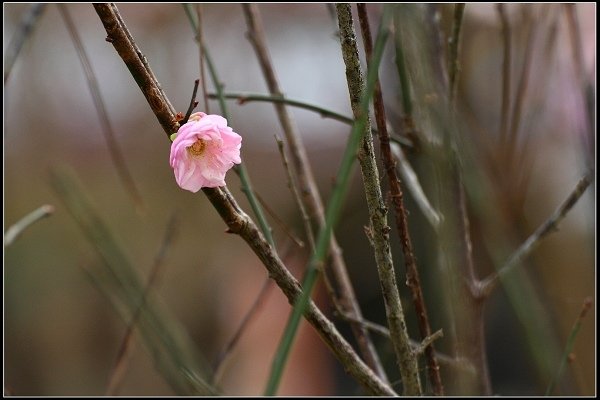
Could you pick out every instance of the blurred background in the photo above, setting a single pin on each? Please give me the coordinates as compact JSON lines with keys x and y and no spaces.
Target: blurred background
{"x":61,"y":335}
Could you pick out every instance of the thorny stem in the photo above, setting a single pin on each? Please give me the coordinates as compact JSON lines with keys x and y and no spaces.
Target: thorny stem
{"x":406,"y":358}
{"x":308,"y":188}
{"x":412,"y":273}
{"x":550,"y":225}
{"x":237,"y":221}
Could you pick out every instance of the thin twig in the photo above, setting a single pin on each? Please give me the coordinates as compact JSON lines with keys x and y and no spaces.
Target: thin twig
{"x":306,"y":221}
{"x":238,"y":222}
{"x":308,"y":231}
{"x":585,"y":83}
{"x":308,"y":187}
{"x":522,"y":86}
{"x":286,"y":229}
{"x":416,"y":346}
{"x":126,"y":347}
{"x":550,"y":225}
{"x":193,"y":103}
{"x":506,"y":73}
{"x":407,"y":172}
{"x":406,"y":359}
{"x":244,"y":98}
{"x":239,"y":169}
{"x":412,"y":273}
{"x":587,"y":304}
{"x":113,"y":145}
{"x":18,"y":227}
{"x":411,"y":180}
{"x":119,"y":37}
{"x":24,"y":30}
{"x":459,"y":10}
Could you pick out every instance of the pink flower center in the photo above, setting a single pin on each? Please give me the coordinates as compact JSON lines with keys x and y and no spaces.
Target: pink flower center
{"x":197,"y":148}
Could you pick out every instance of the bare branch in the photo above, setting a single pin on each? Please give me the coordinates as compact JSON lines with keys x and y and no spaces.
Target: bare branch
{"x":407,"y":360}
{"x":308,"y":186}
{"x":412,"y":273}
{"x":238,"y":221}
{"x":550,"y":225}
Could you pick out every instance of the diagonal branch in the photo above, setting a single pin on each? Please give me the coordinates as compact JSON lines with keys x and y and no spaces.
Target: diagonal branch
{"x":308,"y":188}
{"x":237,"y":221}
{"x":412,"y":273}
{"x":406,"y":358}
{"x":550,"y":225}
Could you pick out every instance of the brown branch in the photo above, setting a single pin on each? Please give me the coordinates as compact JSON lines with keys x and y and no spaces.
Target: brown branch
{"x":412,"y":273}
{"x":238,"y":221}
{"x":119,"y":37}
{"x":308,"y":187}
{"x":407,"y":360}
{"x":308,"y":231}
{"x":550,"y":225}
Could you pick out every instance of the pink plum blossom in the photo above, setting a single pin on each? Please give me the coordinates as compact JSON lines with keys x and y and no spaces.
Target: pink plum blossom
{"x":204,"y":149}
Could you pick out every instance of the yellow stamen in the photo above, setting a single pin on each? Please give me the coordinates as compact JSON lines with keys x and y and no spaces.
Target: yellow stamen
{"x":197,"y":148}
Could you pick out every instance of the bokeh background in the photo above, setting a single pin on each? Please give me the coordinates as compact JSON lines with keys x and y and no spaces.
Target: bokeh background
{"x":61,"y":335}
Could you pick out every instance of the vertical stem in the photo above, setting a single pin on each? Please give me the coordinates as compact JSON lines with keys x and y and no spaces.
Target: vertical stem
{"x":459,"y":10}
{"x":522,"y":86}
{"x":239,"y":169}
{"x":412,"y":273}
{"x":506,"y":73}
{"x":407,"y":360}
{"x":237,"y":221}
{"x":309,"y":190}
